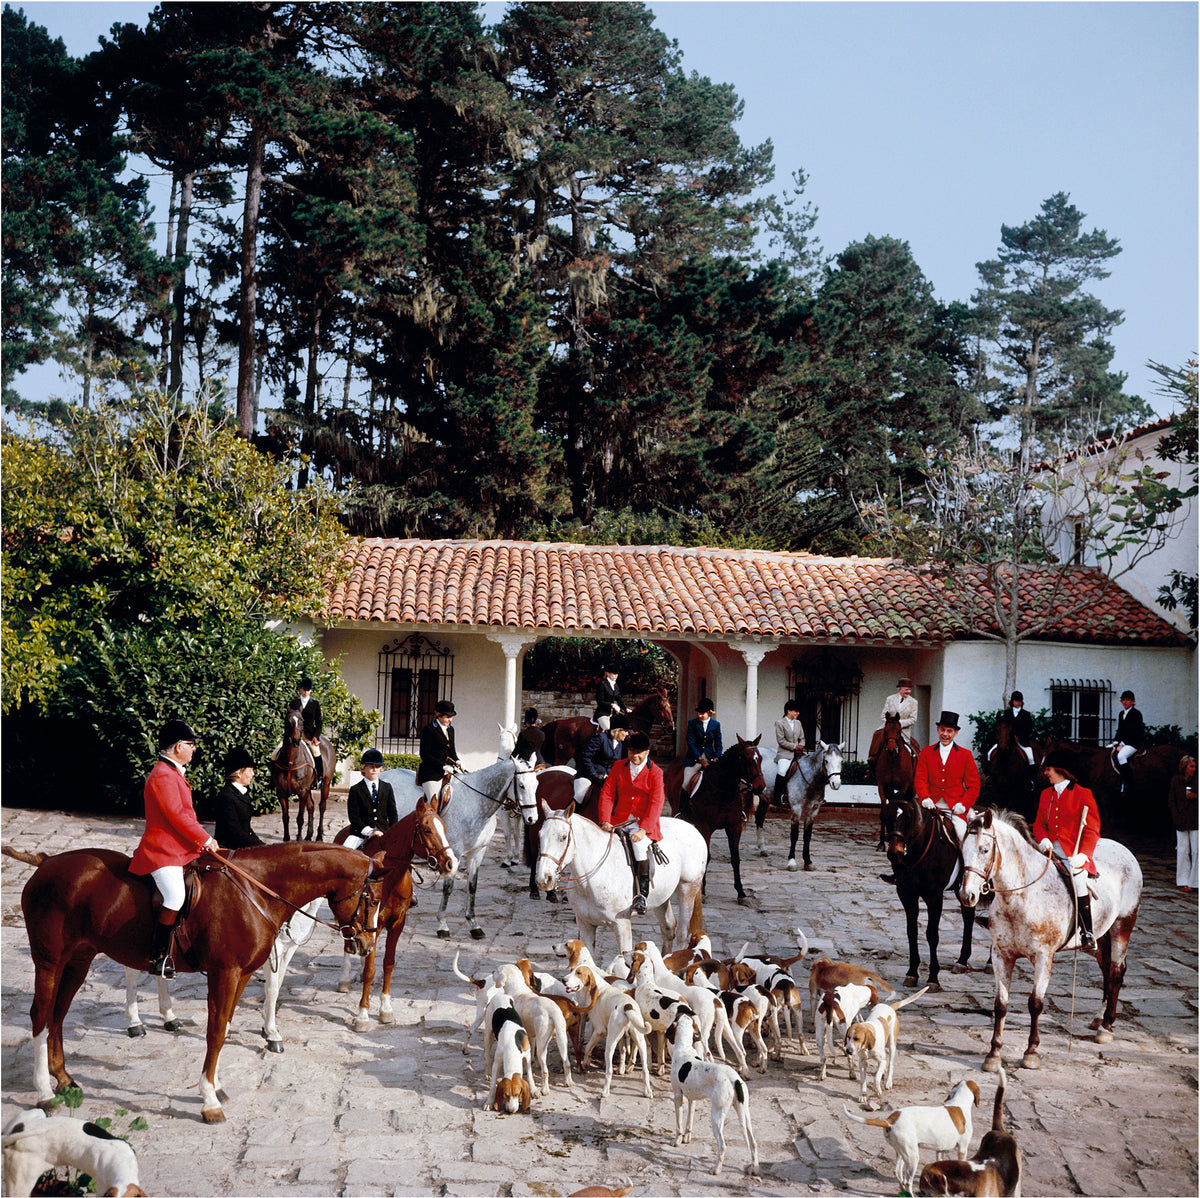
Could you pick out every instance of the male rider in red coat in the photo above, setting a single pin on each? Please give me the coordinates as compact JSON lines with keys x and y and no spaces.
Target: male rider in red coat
{"x":634,"y":790}
{"x":946,"y":776}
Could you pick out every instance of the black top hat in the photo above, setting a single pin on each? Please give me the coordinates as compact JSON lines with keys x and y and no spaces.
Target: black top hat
{"x":948,"y":719}
{"x":173,"y":731}
{"x":637,"y":742}
{"x":237,"y":759}
{"x":371,"y":757}
{"x":444,"y":707}
{"x":705,"y":705}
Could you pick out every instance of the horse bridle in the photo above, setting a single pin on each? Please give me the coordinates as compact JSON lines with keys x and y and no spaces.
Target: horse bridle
{"x":509,"y":802}
{"x":993,"y":863}
{"x":561,"y":858}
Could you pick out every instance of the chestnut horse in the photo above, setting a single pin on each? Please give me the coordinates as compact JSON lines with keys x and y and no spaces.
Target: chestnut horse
{"x":1008,"y":776}
{"x":895,"y":768}
{"x":419,"y":834}
{"x":728,"y":792}
{"x":566,"y":738}
{"x":1033,"y":916}
{"x":85,"y":902}
{"x":293,"y":773}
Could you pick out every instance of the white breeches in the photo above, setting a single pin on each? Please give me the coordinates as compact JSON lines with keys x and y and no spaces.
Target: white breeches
{"x":641,"y":846}
{"x":353,"y":842}
{"x":1186,"y":844}
{"x":1078,"y":876}
{"x":169,"y":880}
{"x":1124,"y":753}
{"x":1024,"y":749}
{"x":431,"y":789}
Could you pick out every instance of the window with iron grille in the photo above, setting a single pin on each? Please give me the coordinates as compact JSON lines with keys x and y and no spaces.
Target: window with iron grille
{"x":1083,"y":707}
{"x":826,"y":687}
{"x":414,"y":673}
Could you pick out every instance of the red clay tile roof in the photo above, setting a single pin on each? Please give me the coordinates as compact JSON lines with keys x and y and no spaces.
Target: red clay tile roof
{"x":666,"y":591}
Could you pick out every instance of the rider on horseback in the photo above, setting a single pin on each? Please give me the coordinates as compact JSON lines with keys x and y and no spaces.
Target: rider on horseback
{"x":370,"y":805}
{"x":1062,"y":830}
{"x":789,"y":736}
{"x":1129,"y":737}
{"x":633,"y":791}
{"x":439,"y":757}
{"x":1022,"y":723}
{"x":608,"y":694}
{"x":703,"y":741}
{"x":603,"y":750}
{"x":173,"y":836}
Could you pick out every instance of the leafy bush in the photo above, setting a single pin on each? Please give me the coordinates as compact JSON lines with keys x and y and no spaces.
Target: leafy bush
{"x":231,"y":682}
{"x":401,"y":761}
{"x":1171,"y":734}
{"x":983,"y":724}
{"x":575,"y":663}
{"x":856,"y":773}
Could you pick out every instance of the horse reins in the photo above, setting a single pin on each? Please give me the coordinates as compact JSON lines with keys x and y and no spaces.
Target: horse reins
{"x":508,"y":803}
{"x":227,"y":864}
{"x":558,"y":861}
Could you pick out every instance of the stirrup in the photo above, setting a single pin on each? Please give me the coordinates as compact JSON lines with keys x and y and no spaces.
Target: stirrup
{"x":162,"y":967}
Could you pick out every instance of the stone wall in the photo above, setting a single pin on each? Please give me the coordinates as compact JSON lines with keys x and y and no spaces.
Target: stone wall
{"x":562,"y":705}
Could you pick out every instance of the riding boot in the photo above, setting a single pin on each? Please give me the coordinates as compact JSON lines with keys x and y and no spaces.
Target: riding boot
{"x":779,"y":795}
{"x":161,"y":964}
{"x":1086,"y":937}
{"x":641,"y":885}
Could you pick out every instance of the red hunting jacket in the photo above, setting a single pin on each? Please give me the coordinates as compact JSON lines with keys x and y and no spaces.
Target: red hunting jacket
{"x":623,"y":797}
{"x":173,"y":835}
{"x":956,"y":782}
{"x":1058,"y":819}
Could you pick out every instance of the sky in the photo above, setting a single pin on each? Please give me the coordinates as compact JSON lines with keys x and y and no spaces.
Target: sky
{"x":937,"y":123}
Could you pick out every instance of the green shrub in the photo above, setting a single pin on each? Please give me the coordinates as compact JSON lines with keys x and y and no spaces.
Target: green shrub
{"x":401,"y":761}
{"x":1045,"y":724}
{"x":1171,"y":734}
{"x":574,"y":663}
{"x":855,"y":773}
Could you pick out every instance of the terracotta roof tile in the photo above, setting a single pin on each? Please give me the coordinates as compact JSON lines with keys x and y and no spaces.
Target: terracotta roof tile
{"x":716,"y":592}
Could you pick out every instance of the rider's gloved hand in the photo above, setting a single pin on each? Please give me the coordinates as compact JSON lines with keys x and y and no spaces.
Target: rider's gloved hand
{"x":1079,"y":861}
{"x":367,"y":833}
{"x":1044,"y":844}
{"x":959,"y":809}
{"x":927,"y":804}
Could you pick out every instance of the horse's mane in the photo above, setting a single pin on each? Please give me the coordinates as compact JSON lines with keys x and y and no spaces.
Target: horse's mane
{"x":1016,"y":821}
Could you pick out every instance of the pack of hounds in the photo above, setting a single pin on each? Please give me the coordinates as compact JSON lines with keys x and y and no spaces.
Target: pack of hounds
{"x":719,"y":1020}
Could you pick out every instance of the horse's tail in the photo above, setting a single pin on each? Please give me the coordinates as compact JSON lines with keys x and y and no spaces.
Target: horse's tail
{"x":696,"y":923}
{"x":20,"y":855}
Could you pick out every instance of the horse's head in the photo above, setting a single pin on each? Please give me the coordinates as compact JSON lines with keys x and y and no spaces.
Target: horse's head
{"x":293,"y":725}
{"x":665,"y":715}
{"x":904,"y":822}
{"x":525,"y":784}
{"x":554,"y":845}
{"x":749,"y":761}
{"x":831,"y":761}
{"x":980,"y":854}
{"x":429,"y":837}
{"x":1005,"y":737}
{"x":892,"y":740}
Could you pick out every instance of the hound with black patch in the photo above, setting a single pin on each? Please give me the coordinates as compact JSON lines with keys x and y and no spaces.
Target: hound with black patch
{"x":512,"y":1061}
{"x":694,"y":1078}
{"x":943,"y":1128}
{"x":34,"y":1143}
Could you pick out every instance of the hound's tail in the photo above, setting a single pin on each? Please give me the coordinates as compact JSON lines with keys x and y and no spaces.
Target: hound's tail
{"x":911,"y":998}
{"x":998,"y":1108}
{"x":20,"y":855}
{"x":872,"y":1122}
{"x":478,"y":983}
{"x":696,"y":923}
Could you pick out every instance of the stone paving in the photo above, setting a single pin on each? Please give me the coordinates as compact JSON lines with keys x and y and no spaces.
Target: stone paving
{"x":397,"y":1110}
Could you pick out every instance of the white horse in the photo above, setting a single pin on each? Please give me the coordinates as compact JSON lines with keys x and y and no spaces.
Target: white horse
{"x":600,"y":889}
{"x":806,"y":792}
{"x":293,"y":934}
{"x":471,"y":818}
{"x":1033,"y":916}
{"x":511,"y":823}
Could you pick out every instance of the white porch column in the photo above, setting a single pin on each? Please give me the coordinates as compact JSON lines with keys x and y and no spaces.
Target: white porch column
{"x":752,"y":655}
{"x":512,"y":643}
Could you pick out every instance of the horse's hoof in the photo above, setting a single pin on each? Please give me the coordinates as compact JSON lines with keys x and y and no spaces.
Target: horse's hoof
{"x":960,"y":967}
{"x":743,"y":900}
{"x":991,"y":1063}
{"x":387,"y":1017}
{"x":138,"y":1029}
{"x":1104,"y":1036}
{"x":910,"y":979}
{"x":216,"y":1115}
{"x":476,"y":933}
{"x":413,"y":903}
{"x":362,"y":1025}
{"x":343,"y":987}
{"x":274,"y":1046}
{"x":1031,"y":1060}
{"x":443,"y":933}
{"x":934,"y":987}
{"x":320,"y":838}
{"x":881,"y":846}
{"x":808,"y":867}
{"x":535,"y":894}
{"x":762,"y":852}
{"x":173,"y":1025}
{"x":792,"y":863}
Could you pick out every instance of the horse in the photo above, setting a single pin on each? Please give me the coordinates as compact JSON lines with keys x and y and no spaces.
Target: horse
{"x":556,"y":788}
{"x":419,"y":834}
{"x":1033,"y":916}
{"x":1007,"y":772}
{"x":806,"y":792}
{"x":471,"y":819}
{"x":728,"y":787}
{"x":566,"y":738}
{"x":925,"y":858}
{"x":601,"y":885}
{"x":85,"y":902}
{"x":292,"y":771}
{"x":895,"y":768}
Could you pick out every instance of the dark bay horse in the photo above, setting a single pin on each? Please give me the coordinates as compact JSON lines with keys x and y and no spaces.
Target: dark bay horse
{"x":925,"y":858}
{"x":418,"y":836}
{"x":727,"y":793}
{"x":895,"y":768}
{"x":1008,"y":777}
{"x":292,"y":773}
{"x":806,"y":793}
{"x":555,"y":792}
{"x":85,"y":902}
{"x":567,"y":737}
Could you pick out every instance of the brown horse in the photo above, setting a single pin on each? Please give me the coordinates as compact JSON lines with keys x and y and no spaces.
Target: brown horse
{"x":85,"y":902}
{"x":895,"y":768}
{"x":566,"y":738}
{"x":420,"y":834}
{"x":556,"y":790}
{"x":293,"y":773}
{"x":1008,"y":776}
{"x":728,"y":792}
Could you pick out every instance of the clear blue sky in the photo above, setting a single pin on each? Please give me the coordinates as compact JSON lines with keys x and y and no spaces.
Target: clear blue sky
{"x":938,"y":122}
